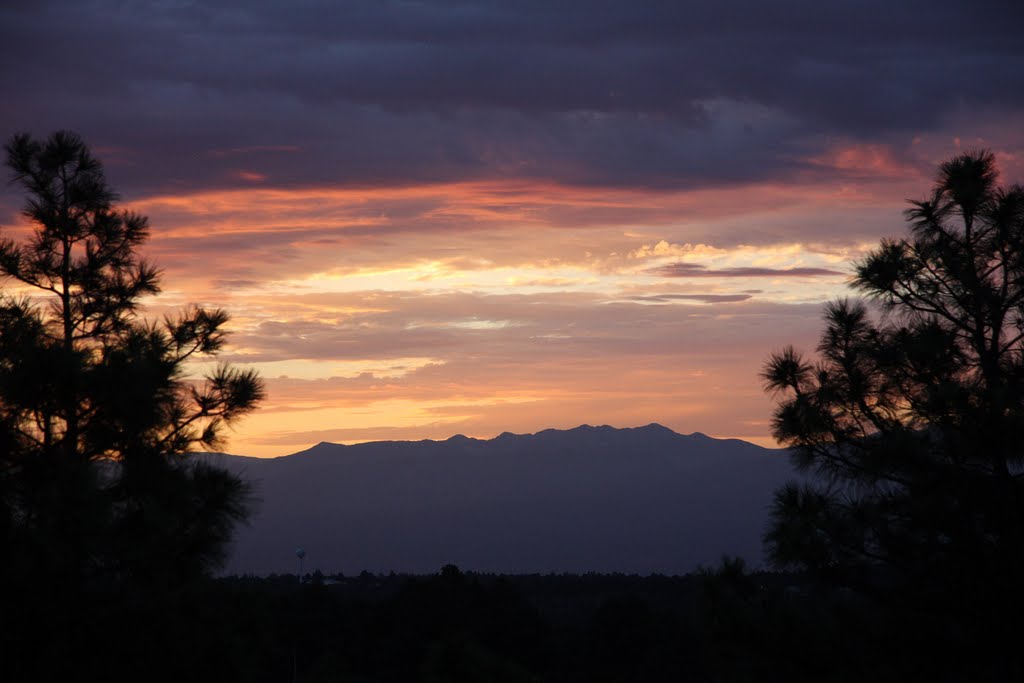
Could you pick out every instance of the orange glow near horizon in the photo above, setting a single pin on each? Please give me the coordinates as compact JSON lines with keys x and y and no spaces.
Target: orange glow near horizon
{"x":478,"y":308}
{"x":619,"y":230}
{"x":422,"y":311}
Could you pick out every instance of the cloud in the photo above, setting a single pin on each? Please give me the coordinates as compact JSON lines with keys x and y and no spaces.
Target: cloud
{"x":432,"y":215}
{"x":702,"y":298}
{"x":653,"y":95}
{"x":512,"y":330}
{"x":613,"y":363}
{"x":688,"y":270}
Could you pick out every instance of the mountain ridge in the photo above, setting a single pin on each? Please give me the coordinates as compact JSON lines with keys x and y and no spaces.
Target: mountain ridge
{"x":651,"y":428}
{"x":592,"y":498}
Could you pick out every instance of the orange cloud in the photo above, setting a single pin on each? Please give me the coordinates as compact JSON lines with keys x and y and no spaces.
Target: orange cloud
{"x":872,"y":161}
{"x":252,"y":176}
{"x":482,"y":307}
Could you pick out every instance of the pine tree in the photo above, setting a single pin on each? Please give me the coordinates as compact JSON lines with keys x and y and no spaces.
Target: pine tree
{"x":911,"y":421}
{"x":97,"y":417}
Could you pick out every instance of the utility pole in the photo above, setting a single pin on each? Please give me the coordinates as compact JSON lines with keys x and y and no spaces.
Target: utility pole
{"x":300,"y":553}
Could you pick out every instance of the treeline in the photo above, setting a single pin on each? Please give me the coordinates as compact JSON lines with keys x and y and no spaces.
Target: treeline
{"x":720,"y":625}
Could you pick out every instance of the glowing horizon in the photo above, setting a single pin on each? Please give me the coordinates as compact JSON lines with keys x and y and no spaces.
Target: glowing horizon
{"x":426,"y":221}
{"x":401,"y":332}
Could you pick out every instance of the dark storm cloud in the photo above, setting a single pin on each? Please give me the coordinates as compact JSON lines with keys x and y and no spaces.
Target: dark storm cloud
{"x":618,"y":93}
{"x":684,"y":269}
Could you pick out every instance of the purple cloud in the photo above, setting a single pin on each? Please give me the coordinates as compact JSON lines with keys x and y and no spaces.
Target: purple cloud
{"x":657,"y":94}
{"x":702,"y":298}
{"x":684,"y":269}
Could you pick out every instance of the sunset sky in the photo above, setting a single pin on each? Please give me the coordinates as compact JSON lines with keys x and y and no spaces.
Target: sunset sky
{"x":440,"y":217}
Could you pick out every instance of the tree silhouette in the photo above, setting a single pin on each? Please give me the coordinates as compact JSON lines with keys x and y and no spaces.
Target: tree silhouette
{"x":911,"y":421}
{"x":96,"y":414}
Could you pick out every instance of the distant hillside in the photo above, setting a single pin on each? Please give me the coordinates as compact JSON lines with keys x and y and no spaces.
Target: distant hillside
{"x":585,"y":499}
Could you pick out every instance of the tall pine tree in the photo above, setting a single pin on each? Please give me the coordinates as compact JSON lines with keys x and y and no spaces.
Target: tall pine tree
{"x":97,"y":418}
{"x":912,"y":421}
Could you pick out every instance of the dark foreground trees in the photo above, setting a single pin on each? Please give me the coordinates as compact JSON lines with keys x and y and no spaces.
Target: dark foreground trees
{"x":96,"y":416}
{"x":912,"y":420}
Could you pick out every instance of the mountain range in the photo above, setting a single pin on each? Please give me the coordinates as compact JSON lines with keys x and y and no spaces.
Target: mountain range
{"x":601,"y":499}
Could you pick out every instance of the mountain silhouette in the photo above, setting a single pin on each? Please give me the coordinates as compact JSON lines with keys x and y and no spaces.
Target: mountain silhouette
{"x":598,"y":499}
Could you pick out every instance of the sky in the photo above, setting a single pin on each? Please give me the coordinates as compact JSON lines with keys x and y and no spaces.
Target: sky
{"x":440,"y":216}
